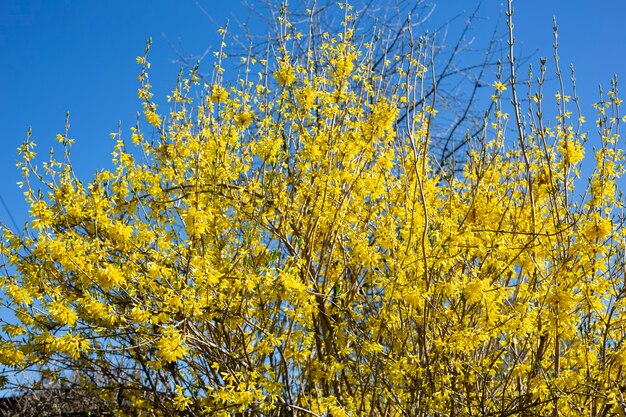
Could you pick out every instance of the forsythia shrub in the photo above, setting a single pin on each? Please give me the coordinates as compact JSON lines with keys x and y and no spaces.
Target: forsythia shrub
{"x":289,"y":246}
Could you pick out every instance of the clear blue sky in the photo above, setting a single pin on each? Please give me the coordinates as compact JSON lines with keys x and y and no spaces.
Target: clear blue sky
{"x":79,"y":56}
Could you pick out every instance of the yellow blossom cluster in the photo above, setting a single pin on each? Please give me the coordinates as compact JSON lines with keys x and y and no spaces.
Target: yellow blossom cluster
{"x":290,"y":246}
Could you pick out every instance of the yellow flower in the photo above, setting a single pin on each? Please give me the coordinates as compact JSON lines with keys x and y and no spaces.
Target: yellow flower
{"x":499,"y":86}
{"x":70,"y":344}
{"x":181,"y":401}
{"x":62,"y":314}
{"x":110,"y":277}
{"x":218,"y":94}
{"x":573,"y":152}
{"x":598,"y":228}
{"x":171,"y":345}
{"x":243,"y":119}
{"x":153,"y":118}
{"x":285,"y":75}
{"x":474,"y":291}
{"x":10,"y":355}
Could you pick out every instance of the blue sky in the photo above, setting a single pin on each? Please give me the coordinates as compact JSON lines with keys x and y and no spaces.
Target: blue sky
{"x":79,"y":56}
